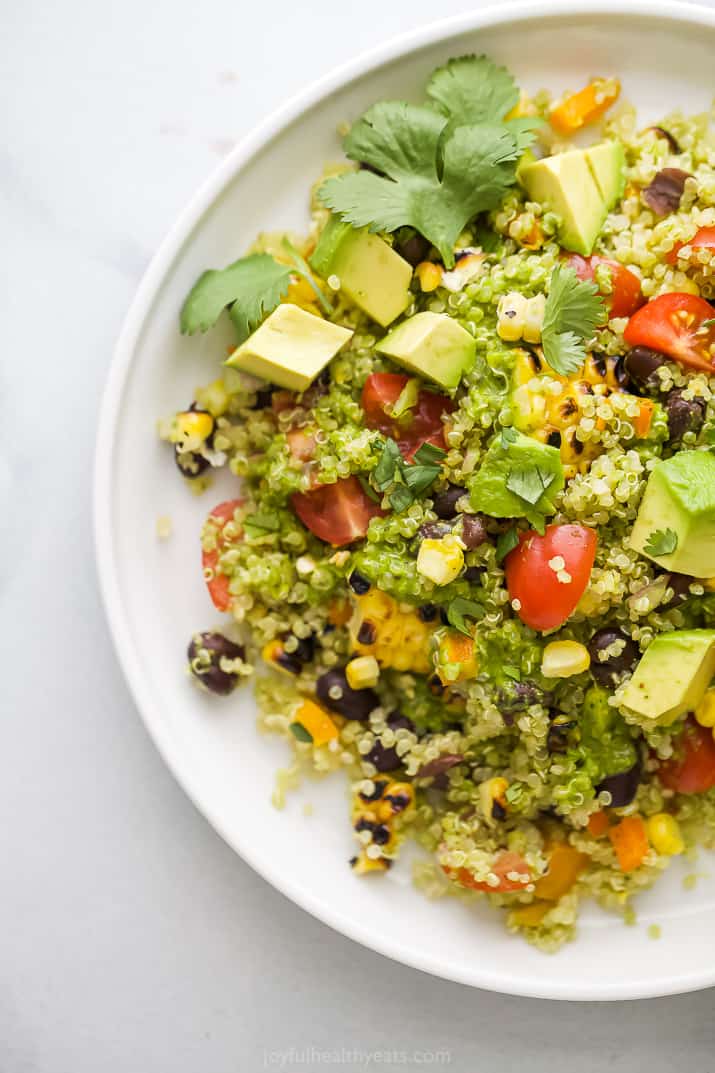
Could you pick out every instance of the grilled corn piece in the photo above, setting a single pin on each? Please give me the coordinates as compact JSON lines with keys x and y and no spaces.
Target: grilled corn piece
{"x":519,"y":317}
{"x":397,"y":638}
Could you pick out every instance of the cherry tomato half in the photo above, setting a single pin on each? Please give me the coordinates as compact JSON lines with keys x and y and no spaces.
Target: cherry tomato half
{"x":626,"y":295}
{"x":420,"y":424}
{"x":674,"y":325}
{"x":218,"y":583}
{"x":336,"y":513}
{"x":692,"y":769}
{"x":704,"y":239}
{"x":544,"y":601}
{"x":504,"y":863}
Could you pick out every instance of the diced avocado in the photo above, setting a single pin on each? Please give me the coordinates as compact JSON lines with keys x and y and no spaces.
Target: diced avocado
{"x":518,"y":478}
{"x":432,"y":345}
{"x":672,"y":676}
{"x":680,"y":497}
{"x":290,"y":347}
{"x":607,"y":162}
{"x":371,"y":274}
{"x":565,"y":184}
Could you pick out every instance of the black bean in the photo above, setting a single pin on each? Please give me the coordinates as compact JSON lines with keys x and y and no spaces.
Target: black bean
{"x":289,"y":661}
{"x":622,"y":787}
{"x":443,"y":616}
{"x":607,"y":671}
{"x":680,"y":584}
{"x":474,"y":531}
{"x":684,"y":415}
{"x":444,"y":503}
{"x":306,"y":648}
{"x":440,"y":765}
{"x":473,"y":573}
{"x":263,"y":399}
{"x":358,"y":583}
{"x":664,"y":193}
{"x":663,"y":133}
{"x":498,"y":811}
{"x":641,"y":364}
{"x":558,"y":737}
{"x":205,"y":652}
{"x":434,"y":530}
{"x":620,"y":373}
{"x":427,"y":613}
{"x":384,"y":757}
{"x":518,"y":696}
{"x":398,"y":721}
{"x":414,"y":248}
{"x":352,"y":703}
{"x":190,"y":464}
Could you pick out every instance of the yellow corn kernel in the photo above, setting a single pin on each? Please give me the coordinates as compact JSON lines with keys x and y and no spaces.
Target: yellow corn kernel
{"x":664,"y":834}
{"x":316,"y":722}
{"x":440,"y":560}
{"x":491,"y":794}
{"x":364,"y":865}
{"x":397,"y":798}
{"x":429,"y":276}
{"x":705,"y":711}
{"x":534,"y":319}
{"x":362,"y":672}
{"x":562,"y":659}
{"x":190,"y":429}
{"x":300,"y":292}
{"x":511,"y":313}
{"x":395,"y":637}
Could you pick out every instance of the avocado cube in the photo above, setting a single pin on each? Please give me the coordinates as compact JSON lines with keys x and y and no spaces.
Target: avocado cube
{"x":672,"y":676}
{"x":566,"y":185}
{"x":680,"y":496}
{"x":519,"y":465}
{"x":371,"y":274}
{"x":290,"y":347}
{"x":432,"y":345}
{"x":607,"y":162}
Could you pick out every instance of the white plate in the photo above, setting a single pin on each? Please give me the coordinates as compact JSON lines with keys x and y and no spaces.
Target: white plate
{"x":154,"y":594}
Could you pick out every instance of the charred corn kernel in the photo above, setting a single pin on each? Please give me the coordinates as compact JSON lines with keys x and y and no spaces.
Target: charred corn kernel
{"x":396,"y":638}
{"x":519,"y":317}
{"x":562,"y":659}
{"x":397,"y":798}
{"x":429,"y":276}
{"x":316,"y":721}
{"x":664,"y":834}
{"x":275,"y":654}
{"x":363,"y":865}
{"x":529,"y":916}
{"x":440,"y":560}
{"x":362,"y":672}
{"x":190,"y":429}
{"x":492,"y":799}
{"x":705,"y":711}
{"x":455,"y":657}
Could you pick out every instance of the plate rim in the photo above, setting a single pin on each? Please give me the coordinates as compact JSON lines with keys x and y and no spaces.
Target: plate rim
{"x":546,"y":985}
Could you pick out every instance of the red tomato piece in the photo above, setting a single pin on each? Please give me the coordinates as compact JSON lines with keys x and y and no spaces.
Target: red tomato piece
{"x":300,"y":444}
{"x":704,"y":239}
{"x":545,"y":602}
{"x":674,"y":324}
{"x":692,"y":769}
{"x":336,"y":513}
{"x":504,"y":863}
{"x":218,"y":583}
{"x":420,"y":424}
{"x":626,"y":296}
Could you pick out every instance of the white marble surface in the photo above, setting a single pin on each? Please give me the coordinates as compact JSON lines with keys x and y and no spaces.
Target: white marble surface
{"x":133,"y":940}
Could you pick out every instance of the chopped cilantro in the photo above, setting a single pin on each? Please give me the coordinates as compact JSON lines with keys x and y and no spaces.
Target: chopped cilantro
{"x":574,"y":309}
{"x":529,"y":482}
{"x":429,"y":454}
{"x":511,"y":671}
{"x":262,"y":522}
{"x":459,"y":609}
{"x":388,"y":465}
{"x":661,"y":542}
{"x":506,"y":542}
{"x":508,"y":437}
{"x":410,"y":480}
{"x":298,"y":731}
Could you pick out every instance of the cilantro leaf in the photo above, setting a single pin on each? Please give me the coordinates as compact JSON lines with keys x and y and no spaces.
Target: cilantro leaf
{"x":411,"y":480}
{"x":573,"y":310}
{"x":388,"y":466}
{"x":506,"y":542}
{"x":368,"y":489}
{"x":252,"y":287}
{"x":419,"y":478}
{"x":511,"y":671}
{"x":661,"y":542}
{"x":459,"y":608}
{"x":262,"y":522}
{"x":435,"y":188}
{"x":529,"y":482}
{"x":508,"y":437}
{"x":473,"y":89}
{"x":401,"y":498}
{"x":428,"y":454}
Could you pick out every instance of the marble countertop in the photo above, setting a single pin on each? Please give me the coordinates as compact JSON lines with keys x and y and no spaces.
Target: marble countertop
{"x":133,"y":939}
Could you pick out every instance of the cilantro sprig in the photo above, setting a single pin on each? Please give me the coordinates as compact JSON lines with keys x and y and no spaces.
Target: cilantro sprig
{"x":574,"y":309}
{"x":406,"y":481}
{"x":661,"y":542}
{"x":434,"y":167}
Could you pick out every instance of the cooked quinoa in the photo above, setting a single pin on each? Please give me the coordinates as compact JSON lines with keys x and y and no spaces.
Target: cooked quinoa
{"x":478,"y":700}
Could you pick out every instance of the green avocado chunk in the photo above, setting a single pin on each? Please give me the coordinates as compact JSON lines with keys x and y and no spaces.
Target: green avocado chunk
{"x":432,"y":345}
{"x":672,"y":676}
{"x":580,"y":186}
{"x":371,"y":274}
{"x":518,"y":478}
{"x":680,"y":498}
{"x":290,"y":347}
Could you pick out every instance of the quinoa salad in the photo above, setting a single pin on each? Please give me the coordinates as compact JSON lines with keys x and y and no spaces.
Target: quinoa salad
{"x":470,"y":557}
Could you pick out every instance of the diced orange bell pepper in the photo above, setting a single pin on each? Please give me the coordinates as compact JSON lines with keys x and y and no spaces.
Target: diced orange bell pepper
{"x":586,"y":106}
{"x":630,"y":841}
{"x":530,"y":916}
{"x":317,"y":722}
{"x":598,"y":824}
{"x":645,"y":416}
{"x":565,"y":866}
